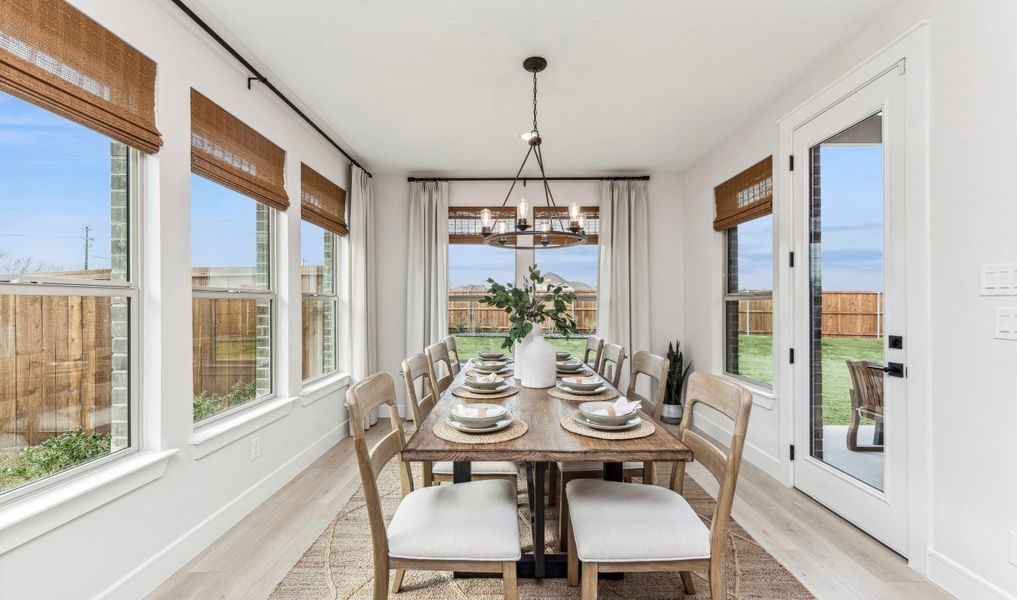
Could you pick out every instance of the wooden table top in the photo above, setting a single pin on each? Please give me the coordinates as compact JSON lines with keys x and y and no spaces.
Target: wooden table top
{"x":545,"y":440}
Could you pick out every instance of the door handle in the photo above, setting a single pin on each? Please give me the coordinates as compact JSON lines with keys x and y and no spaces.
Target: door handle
{"x":894,"y":369}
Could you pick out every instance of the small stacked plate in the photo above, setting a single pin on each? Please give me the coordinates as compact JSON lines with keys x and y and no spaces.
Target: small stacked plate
{"x":600,"y":415}
{"x":481,"y":385}
{"x":571,"y":366}
{"x":479,"y":418}
{"x":492,"y":366}
{"x":583,"y":386}
{"x":562,"y":355}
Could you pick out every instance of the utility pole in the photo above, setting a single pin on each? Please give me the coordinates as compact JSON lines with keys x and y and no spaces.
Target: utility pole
{"x":88,"y":242}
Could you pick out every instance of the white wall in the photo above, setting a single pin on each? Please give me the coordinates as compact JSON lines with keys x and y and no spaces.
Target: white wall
{"x":134,"y":542}
{"x":973,"y":492}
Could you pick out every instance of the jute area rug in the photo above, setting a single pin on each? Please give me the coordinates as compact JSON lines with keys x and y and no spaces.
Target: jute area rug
{"x":337,"y":566}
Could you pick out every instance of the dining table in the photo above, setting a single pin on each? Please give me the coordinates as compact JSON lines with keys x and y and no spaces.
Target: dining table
{"x":544,"y":441}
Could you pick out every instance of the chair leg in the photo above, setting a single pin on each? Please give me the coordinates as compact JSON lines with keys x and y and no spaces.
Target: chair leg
{"x":573,"y":561}
{"x":690,"y":588}
{"x":397,"y":581}
{"x":510,"y":589}
{"x":563,"y":515}
{"x":552,"y":484}
{"x":427,"y":476}
{"x":380,"y":578}
{"x":718,"y":585}
{"x":589,"y":590}
{"x":852,"y":432}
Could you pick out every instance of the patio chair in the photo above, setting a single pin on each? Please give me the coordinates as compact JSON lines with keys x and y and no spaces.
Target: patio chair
{"x":866,"y":401}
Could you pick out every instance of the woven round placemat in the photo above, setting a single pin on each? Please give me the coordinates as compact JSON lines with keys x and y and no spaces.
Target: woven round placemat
{"x":445,"y":431}
{"x":609,"y":394}
{"x":645,"y":428}
{"x":475,"y":373}
{"x":465,"y":393}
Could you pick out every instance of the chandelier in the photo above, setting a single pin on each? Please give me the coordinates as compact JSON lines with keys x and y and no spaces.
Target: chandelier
{"x":554,"y":231}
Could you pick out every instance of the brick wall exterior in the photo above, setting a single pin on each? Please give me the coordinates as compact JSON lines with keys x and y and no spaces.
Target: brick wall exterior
{"x":816,"y":303}
{"x":263,"y":329}
{"x":119,"y":309}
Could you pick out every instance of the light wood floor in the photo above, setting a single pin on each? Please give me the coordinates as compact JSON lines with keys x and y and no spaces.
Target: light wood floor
{"x":832,"y":558}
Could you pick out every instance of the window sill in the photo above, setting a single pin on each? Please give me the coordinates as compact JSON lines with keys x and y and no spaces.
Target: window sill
{"x":37,"y":514}
{"x":762,"y":397}
{"x":320,"y":388}
{"x":222,"y":433}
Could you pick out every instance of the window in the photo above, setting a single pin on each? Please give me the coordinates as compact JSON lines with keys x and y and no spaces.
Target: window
{"x":477,"y":327}
{"x":744,"y":215}
{"x":231,"y":248}
{"x":68,"y":297}
{"x":318,"y":283}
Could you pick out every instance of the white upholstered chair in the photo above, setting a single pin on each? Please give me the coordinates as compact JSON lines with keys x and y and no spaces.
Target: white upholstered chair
{"x":661,"y":531}
{"x":468,"y":527}
{"x":416,"y":375}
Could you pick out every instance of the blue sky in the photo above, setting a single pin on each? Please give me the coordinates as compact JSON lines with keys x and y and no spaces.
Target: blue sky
{"x":54,"y":181}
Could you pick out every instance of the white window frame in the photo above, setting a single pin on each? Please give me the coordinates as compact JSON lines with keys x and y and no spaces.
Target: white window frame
{"x":220,"y":293}
{"x":318,"y":296}
{"x":29,"y":285}
{"x":726,"y":297}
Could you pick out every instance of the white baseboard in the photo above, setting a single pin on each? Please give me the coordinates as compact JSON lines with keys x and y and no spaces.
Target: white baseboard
{"x":149,"y":574}
{"x":961,"y":582}
{"x":769,"y":463}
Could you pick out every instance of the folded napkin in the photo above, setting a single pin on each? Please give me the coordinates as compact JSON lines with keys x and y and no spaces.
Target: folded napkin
{"x":620,"y":407}
{"x":490,"y":378}
{"x":479,"y":410}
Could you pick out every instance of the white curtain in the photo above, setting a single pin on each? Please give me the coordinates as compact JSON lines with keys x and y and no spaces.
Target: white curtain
{"x":623,"y":280}
{"x":362,"y":306}
{"x":427,"y":266}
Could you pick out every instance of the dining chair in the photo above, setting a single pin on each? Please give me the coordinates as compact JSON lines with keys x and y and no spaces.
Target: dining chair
{"x":661,"y":531}
{"x":612,"y":359}
{"x":453,"y":353}
{"x":437,"y":358}
{"x":416,"y":375}
{"x":866,"y":401}
{"x":594,"y":347}
{"x":644,"y":365}
{"x":468,"y":527}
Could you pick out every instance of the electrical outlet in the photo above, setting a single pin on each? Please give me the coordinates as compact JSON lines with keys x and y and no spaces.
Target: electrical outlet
{"x":255,"y":448}
{"x":1013,"y":548}
{"x":1005,"y":324}
{"x":999,"y":280}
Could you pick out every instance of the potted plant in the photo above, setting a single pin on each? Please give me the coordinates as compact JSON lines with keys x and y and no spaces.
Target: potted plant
{"x":527,"y":309}
{"x":677,"y":378}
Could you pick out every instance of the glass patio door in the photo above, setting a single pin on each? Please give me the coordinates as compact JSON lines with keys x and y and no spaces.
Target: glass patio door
{"x":849,"y":411}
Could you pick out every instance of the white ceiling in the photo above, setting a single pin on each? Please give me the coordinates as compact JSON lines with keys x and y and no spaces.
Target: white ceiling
{"x":437,"y":86}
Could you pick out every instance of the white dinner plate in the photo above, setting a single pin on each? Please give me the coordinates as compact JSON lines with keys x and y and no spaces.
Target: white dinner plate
{"x":630,"y":424}
{"x":500,"y":388}
{"x":496,"y":427}
{"x":565,"y":388}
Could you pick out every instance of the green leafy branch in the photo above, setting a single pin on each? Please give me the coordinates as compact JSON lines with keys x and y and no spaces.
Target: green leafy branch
{"x":526,"y":306}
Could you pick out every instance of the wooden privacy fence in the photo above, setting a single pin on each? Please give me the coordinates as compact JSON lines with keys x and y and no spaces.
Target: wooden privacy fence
{"x":467,"y":315}
{"x":845,"y":314}
{"x":55,"y":367}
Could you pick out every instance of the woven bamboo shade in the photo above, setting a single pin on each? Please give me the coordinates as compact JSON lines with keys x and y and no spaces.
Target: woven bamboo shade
{"x":322,"y":202}
{"x":464,"y":222}
{"x":559,"y":216}
{"x":229,"y":152}
{"x":746,"y":196}
{"x":55,"y":57}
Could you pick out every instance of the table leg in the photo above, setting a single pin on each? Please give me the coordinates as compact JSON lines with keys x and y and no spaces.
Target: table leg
{"x":461,"y":472}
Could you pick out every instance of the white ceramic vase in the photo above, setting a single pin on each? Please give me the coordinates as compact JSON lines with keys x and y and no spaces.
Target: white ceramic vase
{"x":534,"y":360}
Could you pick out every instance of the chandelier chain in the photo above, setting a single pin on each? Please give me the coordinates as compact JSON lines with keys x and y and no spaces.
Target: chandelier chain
{"x":534,"y":101}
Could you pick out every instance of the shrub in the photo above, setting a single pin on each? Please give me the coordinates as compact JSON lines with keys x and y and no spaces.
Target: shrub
{"x":56,"y":454}
{"x":205,"y":404}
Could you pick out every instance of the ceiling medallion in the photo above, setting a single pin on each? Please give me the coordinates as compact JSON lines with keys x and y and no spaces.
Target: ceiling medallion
{"x":555,"y":230}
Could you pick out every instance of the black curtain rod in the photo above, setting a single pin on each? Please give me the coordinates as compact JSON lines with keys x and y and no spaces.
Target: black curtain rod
{"x":264,"y":81}
{"x":604,"y":178}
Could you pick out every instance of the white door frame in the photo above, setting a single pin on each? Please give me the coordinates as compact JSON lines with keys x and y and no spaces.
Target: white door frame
{"x":912,"y":48}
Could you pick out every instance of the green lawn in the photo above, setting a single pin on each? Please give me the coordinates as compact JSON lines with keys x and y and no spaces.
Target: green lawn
{"x":470,"y":345}
{"x":756,"y":356}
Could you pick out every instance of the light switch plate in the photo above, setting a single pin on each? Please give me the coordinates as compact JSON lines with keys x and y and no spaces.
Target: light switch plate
{"x":999,"y":280}
{"x":1005,"y":324}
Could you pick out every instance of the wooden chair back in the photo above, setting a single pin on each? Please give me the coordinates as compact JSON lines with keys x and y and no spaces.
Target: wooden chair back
{"x":594,"y":349}
{"x":867,"y":384}
{"x":416,"y":375}
{"x":453,"y":354}
{"x":611,"y":361}
{"x":362,"y":398}
{"x":735,"y":402}
{"x":655,"y":368}
{"x":437,"y":358}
